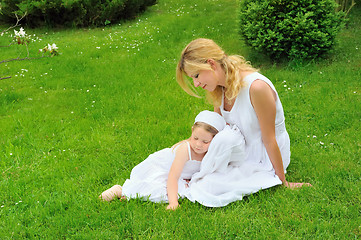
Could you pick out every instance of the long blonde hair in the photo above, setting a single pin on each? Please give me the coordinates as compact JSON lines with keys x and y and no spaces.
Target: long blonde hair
{"x":194,"y":58}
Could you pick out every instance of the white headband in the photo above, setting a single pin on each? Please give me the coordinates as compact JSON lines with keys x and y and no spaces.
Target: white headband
{"x":211,"y":118}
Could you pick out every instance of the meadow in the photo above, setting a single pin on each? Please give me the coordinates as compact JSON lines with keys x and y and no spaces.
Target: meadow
{"x":75,"y":124}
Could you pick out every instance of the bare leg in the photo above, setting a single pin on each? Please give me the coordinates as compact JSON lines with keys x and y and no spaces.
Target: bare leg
{"x":111,"y":193}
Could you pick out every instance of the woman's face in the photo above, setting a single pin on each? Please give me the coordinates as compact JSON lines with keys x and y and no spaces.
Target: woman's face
{"x":205,"y":79}
{"x":200,"y":140}
{"x":208,"y":79}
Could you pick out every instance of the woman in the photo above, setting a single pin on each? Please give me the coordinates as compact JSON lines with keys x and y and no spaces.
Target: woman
{"x":244,"y":98}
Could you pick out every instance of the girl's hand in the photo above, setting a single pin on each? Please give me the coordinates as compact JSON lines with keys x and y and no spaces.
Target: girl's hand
{"x":172,"y":206}
{"x":293,"y":185}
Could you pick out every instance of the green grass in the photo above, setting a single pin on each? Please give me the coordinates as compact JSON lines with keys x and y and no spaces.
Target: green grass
{"x":75,"y":124}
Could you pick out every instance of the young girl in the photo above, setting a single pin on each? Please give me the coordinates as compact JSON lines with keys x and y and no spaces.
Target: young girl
{"x":246,"y":99}
{"x":164,"y":175}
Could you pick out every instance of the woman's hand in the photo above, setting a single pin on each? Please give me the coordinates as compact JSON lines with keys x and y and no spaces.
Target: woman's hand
{"x":173,"y":206}
{"x":293,"y":185}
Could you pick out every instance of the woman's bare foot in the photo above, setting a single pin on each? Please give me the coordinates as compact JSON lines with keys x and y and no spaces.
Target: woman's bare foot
{"x":111,"y":193}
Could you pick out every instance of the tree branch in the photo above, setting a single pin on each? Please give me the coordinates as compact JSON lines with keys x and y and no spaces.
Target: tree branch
{"x":16,"y":24}
{"x":21,"y":59}
{"x":8,"y":45}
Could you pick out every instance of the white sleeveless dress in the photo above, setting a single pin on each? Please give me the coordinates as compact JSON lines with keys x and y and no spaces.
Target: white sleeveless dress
{"x":249,"y":168}
{"x":244,"y":117}
{"x":148,"y":180}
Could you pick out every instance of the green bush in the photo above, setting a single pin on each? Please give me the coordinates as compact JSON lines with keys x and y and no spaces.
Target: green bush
{"x":292,"y":29}
{"x":78,"y":13}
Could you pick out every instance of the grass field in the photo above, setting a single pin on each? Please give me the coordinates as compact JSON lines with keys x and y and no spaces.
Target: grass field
{"x":73,"y":125}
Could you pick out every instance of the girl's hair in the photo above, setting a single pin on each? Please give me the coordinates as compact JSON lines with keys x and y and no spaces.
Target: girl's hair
{"x":194,"y":58}
{"x":206,"y":127}
{"x":203,"y":125}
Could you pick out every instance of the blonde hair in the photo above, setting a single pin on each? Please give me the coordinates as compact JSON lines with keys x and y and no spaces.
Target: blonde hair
{"x":194,"y":58}
{"x":212,"y":130}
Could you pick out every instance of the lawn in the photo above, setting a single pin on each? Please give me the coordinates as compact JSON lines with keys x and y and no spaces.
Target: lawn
{"x":73,"y":125}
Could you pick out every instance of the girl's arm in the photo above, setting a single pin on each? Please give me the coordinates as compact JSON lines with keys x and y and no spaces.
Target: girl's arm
{"x":263,"y":99}
{"x":181,"y":157}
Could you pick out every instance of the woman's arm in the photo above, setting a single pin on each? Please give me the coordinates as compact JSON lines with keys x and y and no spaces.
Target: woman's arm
{"x":217,"y":110}
{"x":181,"y":157}
{"x":263,"y":99}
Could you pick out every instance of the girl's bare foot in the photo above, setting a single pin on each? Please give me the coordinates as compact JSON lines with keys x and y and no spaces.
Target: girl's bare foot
{"x":111,"y":193}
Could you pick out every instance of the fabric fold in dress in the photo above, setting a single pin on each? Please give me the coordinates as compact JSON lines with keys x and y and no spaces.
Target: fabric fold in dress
{"x":225,"y":176}
{"x":233,"y":169}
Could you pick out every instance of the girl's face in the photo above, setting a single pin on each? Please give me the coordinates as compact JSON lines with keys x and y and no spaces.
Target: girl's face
{"x":200,"y":140}
{"x":208,"y":79}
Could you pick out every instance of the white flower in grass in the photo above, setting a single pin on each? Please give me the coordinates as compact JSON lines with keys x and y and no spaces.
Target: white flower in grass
{"x":21,"y":37}
{"x":54,"y":47}
{"x":17,"y":33}
{"x":21,"y":32}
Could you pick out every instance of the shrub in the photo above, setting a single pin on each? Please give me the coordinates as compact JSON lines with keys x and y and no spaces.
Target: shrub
{"x":292,"y":29}
{"x":345,"y":5}
{"x":78,"y":13}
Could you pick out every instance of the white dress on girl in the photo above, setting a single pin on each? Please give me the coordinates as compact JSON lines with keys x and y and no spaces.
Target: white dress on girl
{"x":234,"y":168}
{"x":148,"y":180}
